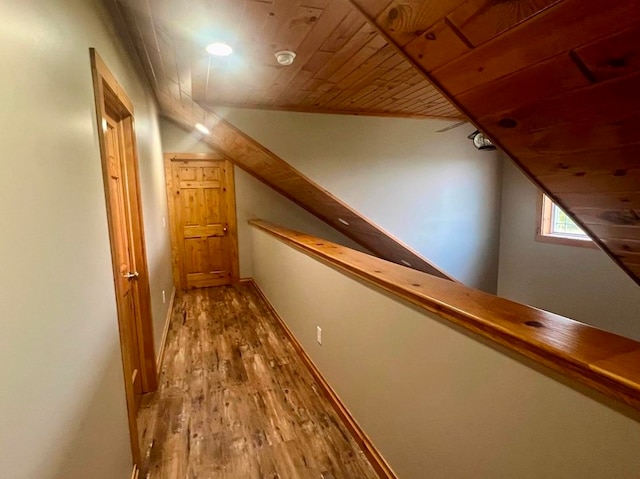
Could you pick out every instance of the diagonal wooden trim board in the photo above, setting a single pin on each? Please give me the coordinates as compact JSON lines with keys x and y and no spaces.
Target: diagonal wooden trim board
{"x":258,"y":161}
{"x":382,"y":468}
{"x":275,"y":172}
{"x":165,"y":333}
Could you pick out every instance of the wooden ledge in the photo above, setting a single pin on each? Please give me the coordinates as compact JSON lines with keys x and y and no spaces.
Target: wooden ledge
{"x":604,"y":361}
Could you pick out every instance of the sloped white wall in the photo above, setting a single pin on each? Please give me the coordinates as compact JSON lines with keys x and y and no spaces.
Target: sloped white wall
{"x":62,"y":400}
{"x":434,"y":191}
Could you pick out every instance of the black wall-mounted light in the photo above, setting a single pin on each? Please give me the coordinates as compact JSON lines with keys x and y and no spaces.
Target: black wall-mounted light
{"x":480,"y":141}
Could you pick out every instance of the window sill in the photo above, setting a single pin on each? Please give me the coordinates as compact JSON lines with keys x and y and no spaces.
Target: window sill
{"x":563,"y":240}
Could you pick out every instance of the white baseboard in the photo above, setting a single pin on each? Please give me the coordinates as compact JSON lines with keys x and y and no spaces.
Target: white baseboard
{"x":165,"y":332}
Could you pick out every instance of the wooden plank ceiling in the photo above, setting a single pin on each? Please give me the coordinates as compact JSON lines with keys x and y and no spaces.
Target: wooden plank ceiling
{"x":555,"y":83}
{"x":343,"y":64}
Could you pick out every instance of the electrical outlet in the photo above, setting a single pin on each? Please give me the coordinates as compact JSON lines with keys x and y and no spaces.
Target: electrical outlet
{"x":164,"y":297}
{"x":319,"y":334}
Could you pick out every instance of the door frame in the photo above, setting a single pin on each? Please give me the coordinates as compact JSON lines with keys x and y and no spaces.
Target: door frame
{"x":169,"y":158}
{"x":109,"y":94}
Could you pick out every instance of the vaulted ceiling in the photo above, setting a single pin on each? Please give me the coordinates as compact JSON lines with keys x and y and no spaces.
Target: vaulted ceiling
{"x":555,"y":83}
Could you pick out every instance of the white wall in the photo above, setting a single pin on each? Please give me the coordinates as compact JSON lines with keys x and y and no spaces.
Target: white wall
{"x":62,"y":400}
{"x":436,"y":401}
{"x":433,"y":191}
{"x":253,"y":200}
{"x":580,"y":283}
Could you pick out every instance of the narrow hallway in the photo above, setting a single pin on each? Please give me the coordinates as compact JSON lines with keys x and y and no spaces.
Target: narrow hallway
{"x":235,"y":400}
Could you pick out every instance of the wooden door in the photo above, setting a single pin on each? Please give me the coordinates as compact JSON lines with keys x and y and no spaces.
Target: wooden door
{"x":126,"y":276}
{"x":116,"y":135}
{"x":203,"y":220}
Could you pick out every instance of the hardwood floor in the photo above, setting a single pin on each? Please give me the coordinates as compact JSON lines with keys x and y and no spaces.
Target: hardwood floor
{"x":235,"y":401}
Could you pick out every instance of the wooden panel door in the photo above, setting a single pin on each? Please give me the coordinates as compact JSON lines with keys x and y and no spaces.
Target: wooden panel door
{"x":127,"y":275}
{"x":203,"y":220}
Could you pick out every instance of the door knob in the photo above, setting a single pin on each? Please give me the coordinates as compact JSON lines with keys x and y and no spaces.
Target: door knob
{"x":131,"y":275}
{"x":225,"y":229}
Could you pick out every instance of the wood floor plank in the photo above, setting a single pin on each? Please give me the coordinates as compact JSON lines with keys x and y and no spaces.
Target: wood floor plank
{"x":235,"y":400}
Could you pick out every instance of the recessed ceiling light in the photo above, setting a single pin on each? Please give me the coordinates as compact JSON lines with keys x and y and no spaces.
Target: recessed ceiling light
{"x":202,"y":129}
{"x":219,"y":49}
{"x":285,"y":57}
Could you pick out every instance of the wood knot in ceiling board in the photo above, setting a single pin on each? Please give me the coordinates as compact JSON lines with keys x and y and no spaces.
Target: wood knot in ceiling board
{"x":621,"y":217}
{"x":397,"y":19}
{"x":508,"y":123}
{"x":303,"y":20}
{"x":534,"y":324}
{"x":618,"y":62}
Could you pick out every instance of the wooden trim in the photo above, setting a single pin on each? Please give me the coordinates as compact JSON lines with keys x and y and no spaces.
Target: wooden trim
{"x":375,"y":458}
{"x":107,"y":77}
{"x":102,"y":77}
{"x":544,"y":206}
{"x":175,"y":267}
{"x":108,"y":92}
{"x":145,"y":327}
{"x":232,"y":220}
{"x":193,"y":156}
{"x":561,"y":240}
{"x":165,"y":332}
{"x":603,"y":361}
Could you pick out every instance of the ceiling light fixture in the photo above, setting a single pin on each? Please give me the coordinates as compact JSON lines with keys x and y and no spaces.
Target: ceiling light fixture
{"x":480,"y":141}
{"x":219,"y":49}
{"x":285,"y":57}
{"x":202,"y":129}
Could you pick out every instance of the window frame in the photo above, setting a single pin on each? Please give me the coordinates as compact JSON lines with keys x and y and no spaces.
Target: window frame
{"x":544,"y":213}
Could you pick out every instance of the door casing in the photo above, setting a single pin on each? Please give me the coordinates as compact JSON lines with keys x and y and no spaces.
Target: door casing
{"x":111,"y":97}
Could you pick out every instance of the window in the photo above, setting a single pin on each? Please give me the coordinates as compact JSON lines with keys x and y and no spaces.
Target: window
{"x":555,"y":226}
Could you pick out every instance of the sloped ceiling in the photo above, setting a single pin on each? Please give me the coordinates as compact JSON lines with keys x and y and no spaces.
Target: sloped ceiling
{"x":259,"y":161}
{"x":555,"y":83}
